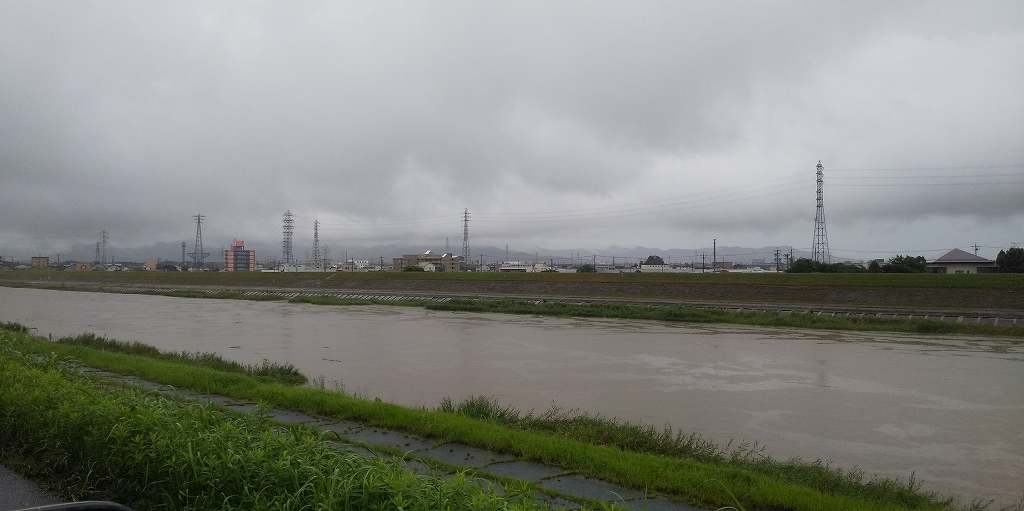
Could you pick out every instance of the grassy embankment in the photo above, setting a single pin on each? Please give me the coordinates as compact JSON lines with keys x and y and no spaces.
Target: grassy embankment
{"x":691,"y":315}
{"x":971,"y":292}
{"x":754,"y":318}
{"x":154,"y":452}
{"x":682,"y":466}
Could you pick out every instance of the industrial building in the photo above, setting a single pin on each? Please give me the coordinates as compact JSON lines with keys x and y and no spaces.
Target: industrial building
{"x":521,"y":267}
{"x":429,"y":261}
{"x":238,"y":258}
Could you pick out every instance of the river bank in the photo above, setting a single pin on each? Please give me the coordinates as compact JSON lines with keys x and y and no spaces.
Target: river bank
{"x":925,"y":321}
{"x":995,"y":295}
{"x":945,"y":408}
{"x":746,"y":481}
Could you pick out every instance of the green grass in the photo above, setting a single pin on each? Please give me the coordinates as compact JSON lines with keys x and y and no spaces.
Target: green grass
{"x":153,"y":452}
{"x":697,"y":315}
{"x":744,"y":478}
{"x":644,"y":438}
{"x":265,"y":372}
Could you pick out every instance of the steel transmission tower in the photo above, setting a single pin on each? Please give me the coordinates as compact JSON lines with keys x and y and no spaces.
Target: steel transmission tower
{"x":198,"y":255}
{"x":97,"y":258}
{"x":819,"y":250}
{"x":316,"y":244}
{"x":286,"y":245}
{"x":103,"y":245}
{"x":465,"y":237}
{"x":182,"y":256}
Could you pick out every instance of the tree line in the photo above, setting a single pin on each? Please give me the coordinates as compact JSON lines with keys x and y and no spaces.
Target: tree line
{"x":1010,"y":260}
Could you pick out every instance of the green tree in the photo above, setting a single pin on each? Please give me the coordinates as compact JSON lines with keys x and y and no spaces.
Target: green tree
{"x":805,"y":265}
{"x":413,"y":268}
{"x":905,"y":264}
{"x":586,"y":268}
{"x":1011,"y":260}
{"x":653,"y":259}
{"x":874,"y":267}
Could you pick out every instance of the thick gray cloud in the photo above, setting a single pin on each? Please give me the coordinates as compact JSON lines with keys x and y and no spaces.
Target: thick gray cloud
{"x":564,"y":125}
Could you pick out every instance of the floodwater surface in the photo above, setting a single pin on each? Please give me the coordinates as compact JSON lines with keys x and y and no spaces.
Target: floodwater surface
{"x":948,"y":410}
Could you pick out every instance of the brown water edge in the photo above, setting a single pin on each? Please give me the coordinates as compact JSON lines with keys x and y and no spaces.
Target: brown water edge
{"x":946,"y":408}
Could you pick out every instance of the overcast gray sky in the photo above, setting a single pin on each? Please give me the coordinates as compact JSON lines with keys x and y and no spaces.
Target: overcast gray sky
{"x":557,"y":124}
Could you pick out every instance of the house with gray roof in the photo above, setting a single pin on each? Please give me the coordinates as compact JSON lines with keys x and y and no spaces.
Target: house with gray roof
{"x":958,"y":261}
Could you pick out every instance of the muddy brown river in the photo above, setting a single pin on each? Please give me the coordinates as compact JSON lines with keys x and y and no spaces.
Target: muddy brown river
{"x":949,"y":410}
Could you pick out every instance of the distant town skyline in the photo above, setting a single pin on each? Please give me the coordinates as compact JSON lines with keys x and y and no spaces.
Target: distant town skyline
{"x":572,"y":126}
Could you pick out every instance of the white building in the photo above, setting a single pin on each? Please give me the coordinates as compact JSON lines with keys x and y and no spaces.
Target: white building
{"x":521,"y":267}
{"x":958,"y":261}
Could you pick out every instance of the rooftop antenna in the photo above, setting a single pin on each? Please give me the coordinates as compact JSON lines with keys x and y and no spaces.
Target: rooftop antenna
{"x":197,"y":254}
{"x":465,"y":236}
{"x":819,"y":251}
{"x":288,"y":224}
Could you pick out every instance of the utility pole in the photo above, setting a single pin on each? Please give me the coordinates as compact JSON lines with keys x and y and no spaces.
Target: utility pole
{"x":714,"y":255}
{"x":976,"y":247}
{"x":777,"y":262}
{"x":182,"y":256}
{"x":702,"y":262}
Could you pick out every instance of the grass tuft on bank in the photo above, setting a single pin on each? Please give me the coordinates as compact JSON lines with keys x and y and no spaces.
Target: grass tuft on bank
{"x":645,"y":438}
{"x":268,"y":371}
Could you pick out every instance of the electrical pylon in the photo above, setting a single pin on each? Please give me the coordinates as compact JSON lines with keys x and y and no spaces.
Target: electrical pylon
{"x":286,"y":245}
{"x":465,"y":237}
{"x":317,"y":263}
{"x":197,"y":255}
{"x":103,"y":247}
{"x":819,"y":249}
